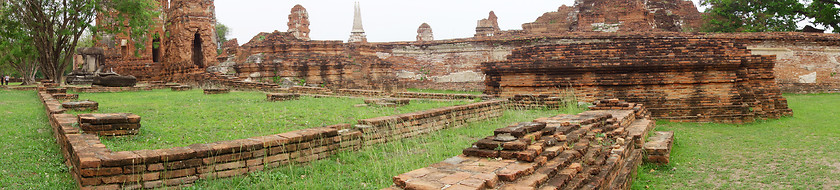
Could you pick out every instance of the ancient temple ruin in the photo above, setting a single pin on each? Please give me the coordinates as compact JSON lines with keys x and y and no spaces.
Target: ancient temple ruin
{"x":291,"y":57}
{"x":299,"y":22}
{"x":424,"y":33}
{"x":187,"y":43}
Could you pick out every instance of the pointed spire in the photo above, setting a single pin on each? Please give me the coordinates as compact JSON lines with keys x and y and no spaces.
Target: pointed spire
{"x":358,"y":33}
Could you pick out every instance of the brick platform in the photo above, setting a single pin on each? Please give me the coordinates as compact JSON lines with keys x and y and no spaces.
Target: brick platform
{"x":110,"y":124}
{"x":81,"y":105}
{"x":679,"y":78}
{"x":420,"y":95}
{"x":216,"y":91}
{"x":282,"y":96}
{"x":658,"y":148}
{"x":62,"y":96}
{"x":363,"y":93}
{"x":181,"y":88}
{"x":56,"y":90}
{"x":388,"y":102}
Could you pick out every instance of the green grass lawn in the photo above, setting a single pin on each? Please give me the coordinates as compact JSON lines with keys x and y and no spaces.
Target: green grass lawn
{"x":443,"y":91}
{"x":799,"y":152}
{"x":174,"y":119}
{"x":29,"y":156}
{"x":373,"y":166}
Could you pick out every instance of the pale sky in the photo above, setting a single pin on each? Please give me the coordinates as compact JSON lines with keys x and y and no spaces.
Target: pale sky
{"x":383,"y":20}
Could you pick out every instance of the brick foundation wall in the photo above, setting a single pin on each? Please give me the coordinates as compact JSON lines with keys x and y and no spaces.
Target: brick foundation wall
{"x":389,"y":128}
{"x":678,"y":78}
{"x":94,"y":166}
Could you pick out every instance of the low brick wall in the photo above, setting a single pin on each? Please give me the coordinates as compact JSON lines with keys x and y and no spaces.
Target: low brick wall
{"x":94,"y":89}
{"x":364,"y":93}
{"x":438,"y":95}
{"x":389,"y":128}
{"x":94,"y":166}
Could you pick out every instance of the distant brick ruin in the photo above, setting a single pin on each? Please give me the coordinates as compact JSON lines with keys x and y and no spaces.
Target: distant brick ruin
{"x":424,"y":33}
{"x":183,"y":43}
{"x":619,"y":16}
{"x":299,"y":22}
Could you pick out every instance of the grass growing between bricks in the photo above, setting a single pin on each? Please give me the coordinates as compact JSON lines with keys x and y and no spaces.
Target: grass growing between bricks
{"x":181,"y":118}
{"x":29,"y":156}
{"x":799,"y":152}
{"x":372,"y":167}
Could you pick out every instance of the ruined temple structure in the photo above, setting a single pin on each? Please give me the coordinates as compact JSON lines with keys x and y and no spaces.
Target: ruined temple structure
{"x":299,"y":22}
{"x":677,"y":76}
{"x":280,"y":56}
{"x":358,"y":33}
{"x":424,"y":33}
{"x":619,"y":16}
{"x":488,"y":26}
{"x":184,"y":43}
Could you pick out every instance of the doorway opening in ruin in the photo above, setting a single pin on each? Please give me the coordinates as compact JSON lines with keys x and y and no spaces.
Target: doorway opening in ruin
{"x":198,"y":55}
{"x":156,"y":49}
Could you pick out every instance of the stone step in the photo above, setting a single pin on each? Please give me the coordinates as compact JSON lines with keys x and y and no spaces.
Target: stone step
{"x":658,"y":147}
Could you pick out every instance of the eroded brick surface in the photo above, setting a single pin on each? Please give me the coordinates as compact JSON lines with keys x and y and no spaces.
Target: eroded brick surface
{"x":584,"y":151}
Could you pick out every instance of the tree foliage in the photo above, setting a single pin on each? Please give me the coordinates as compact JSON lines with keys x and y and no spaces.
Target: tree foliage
{"x":222,"y":31}
{"x":55,"y":26}
{"x":764,"y":16}
{"x":17,"y":50}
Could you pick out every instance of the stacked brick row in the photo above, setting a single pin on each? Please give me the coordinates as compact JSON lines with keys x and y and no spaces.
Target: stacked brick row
{"x":94,"y":166}
{"x":363,"y":93}
{"x":421,"y":95}
{"x":309,"y":90}
{"x":216,"y":91}
{"x":282,"y":96}
{"x":677,"y":78}
{"x":64,"y":96}
{"x":389,"y":128}
{"x":181,"y":88}
{"x":90,"y":89}
{"x":658,"y":148}
{"x":529,"y":101}
{"x":110,"y":124}
{"x":592,"y":150}
{"x":80,"y":105}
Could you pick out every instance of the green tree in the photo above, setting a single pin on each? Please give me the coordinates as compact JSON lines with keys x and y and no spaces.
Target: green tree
{"x":764,"y":16}
{"x":56,"y":26}
{"x":16,"y":47}
{"x":222,"y":32}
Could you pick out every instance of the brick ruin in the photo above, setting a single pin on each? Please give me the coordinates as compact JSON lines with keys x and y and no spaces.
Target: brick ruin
{"x":280,"y":56}
{"x":424,"y":33}
{"x":183,"y":43}
{"x":299,"y":22}
{"x":446,"y":64}
{"x":597,"y":149}
{"x":679,"y":77}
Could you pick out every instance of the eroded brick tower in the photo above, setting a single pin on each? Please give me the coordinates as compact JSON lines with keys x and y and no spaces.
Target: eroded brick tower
{"x":190,"y":38}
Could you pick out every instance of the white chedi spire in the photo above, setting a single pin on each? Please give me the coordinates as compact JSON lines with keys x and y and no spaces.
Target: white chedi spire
{"x":358,"y":32}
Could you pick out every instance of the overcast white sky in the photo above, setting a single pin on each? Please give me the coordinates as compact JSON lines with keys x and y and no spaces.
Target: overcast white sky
{"x":383,"y":20}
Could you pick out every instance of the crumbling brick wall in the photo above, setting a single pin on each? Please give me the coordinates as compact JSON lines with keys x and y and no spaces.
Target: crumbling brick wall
{"x":679,"y":77}
{"x":334,"y":64}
